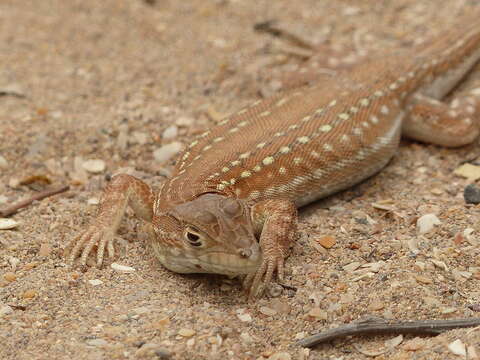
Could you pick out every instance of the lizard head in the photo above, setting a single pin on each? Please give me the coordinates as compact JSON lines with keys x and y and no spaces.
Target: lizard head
{"x":209,"y":234}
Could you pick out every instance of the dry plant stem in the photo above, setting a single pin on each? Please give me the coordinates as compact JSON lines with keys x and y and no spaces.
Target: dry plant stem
{"x":12,"y":209}
{"x":379,"y":327}
{"x":269,"y":28}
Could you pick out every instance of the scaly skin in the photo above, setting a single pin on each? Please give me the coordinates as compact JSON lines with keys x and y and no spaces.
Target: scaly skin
{"x":230,"y":205}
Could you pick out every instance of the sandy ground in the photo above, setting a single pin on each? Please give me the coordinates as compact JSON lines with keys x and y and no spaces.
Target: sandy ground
{"x":87,"y":79}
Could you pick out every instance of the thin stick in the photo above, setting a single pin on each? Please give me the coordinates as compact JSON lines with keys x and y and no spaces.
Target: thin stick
{"x":379,"y":327}
{"x":12,"y":209}
{"x":269,"y":28}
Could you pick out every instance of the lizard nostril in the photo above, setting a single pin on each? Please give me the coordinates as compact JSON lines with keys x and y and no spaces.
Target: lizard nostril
{"x":245,"y":253}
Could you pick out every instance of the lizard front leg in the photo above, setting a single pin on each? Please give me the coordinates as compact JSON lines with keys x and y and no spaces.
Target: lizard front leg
{"x":275,"y":221}
{"x":123,"y":190}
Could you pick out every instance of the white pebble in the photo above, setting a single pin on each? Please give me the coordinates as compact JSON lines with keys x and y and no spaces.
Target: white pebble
{"x":166,"y":152}
{"x":96,"y":342}
{"x":7,"y":224}
{"x":170,"y":132}
{"x":246,"y":338}
{"x":5,"y":310}
{"x":140,"y":137}
{"x":93,"y":201}
{"x":3,"y":162}
{"x":352,"y":266}
{"x":244,"y":317}
{"x":94,"y":166}
{"x":267,"y":311}
{"x":458,"y":348}
{"x":122,"y":268}
{"x":426,"y":223}
{"x":95,"y":282}
{"x":184,"y":121}
{"x":280,"y":356}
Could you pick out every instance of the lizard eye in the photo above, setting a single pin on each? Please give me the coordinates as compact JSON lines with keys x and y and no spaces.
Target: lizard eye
{"x":193,"y":237}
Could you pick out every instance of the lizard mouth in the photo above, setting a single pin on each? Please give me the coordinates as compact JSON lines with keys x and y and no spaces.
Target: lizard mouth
{"x":227,"y":264}
{"x":212,"y":262}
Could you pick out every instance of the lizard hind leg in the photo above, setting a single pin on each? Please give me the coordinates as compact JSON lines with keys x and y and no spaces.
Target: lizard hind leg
{"x":451,"y":125}
{"x":276,"y":222}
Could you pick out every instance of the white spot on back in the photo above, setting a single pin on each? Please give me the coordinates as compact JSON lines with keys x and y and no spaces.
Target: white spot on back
{"x":325,"y":128}
{"x":327,"y":147}
{"x":268,"y":160}
{"x":364,"y":102}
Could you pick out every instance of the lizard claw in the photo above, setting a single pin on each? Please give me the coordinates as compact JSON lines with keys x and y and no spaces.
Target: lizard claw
{"x":256,"y":282}
{"x":82,"y":245}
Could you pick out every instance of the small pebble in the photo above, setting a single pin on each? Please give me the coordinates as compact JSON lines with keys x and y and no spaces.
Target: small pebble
{"x":376,"y":305}
{"x":457,"y":347}
{"x":5,"y":310}
{"x":186,"y":332}
{"x":472,"y":353}
{"x":29,"y":294}
{"x":10,"y":276}
{"x":94,"y":166}
{"x":244,"y":317}
{"x":93,"y":201}
{"x":140,"y":137}
{"x":423,"y":279}
{"x":246,"y":338}
{"x":122,"y":268}
{"x":426,"y":223}
{"x":471,"y":194}
{"x":3,"y":163}
{"x":352,"y":266}
{"x":280,"y":356}
{"x":95,"y":282}
{"x":166,"y":152}
{"x":153,"y":351}
{"x":327,"y":241}
{"x":318,"y":313}
{"x":8,"y":224}
{"x":185,"y":121}
{"x":280,"y":306}
{"x":267,"y":311}
{"x":397,"y":340}
{"x":469,"y":171}
{"x":170,"y":132}
{"x":96,"y":342}
{"x":414,"y":345}
{"x":45,"y":249}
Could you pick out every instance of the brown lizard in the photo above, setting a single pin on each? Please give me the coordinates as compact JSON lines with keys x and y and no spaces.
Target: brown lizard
{"x":230,"y":207}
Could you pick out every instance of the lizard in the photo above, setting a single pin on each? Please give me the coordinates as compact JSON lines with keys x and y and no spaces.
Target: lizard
{"x":230,"y":205}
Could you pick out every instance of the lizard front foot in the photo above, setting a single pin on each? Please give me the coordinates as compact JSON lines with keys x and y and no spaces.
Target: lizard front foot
{"x":256,"y":282}
{"x":97,"y":235}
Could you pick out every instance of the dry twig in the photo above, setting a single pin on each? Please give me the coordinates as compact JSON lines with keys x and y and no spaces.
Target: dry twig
{"x":12,"y":209}
{"x":382,"y":327}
